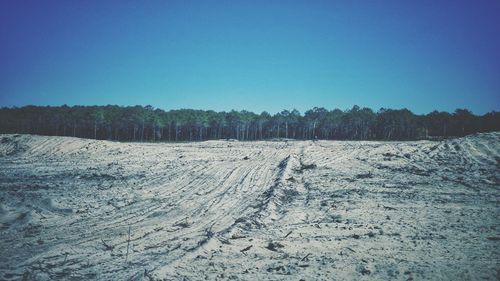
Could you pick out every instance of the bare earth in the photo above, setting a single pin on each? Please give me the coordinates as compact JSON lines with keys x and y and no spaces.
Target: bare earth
{"x":282,"y":210}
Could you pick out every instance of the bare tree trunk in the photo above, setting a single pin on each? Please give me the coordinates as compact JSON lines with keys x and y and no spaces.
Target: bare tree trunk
{"x":154,"y":132}
{"x":142,"y":131}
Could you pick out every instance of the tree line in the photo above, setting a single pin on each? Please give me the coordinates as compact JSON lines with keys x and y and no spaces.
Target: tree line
{"x":146,"y":123}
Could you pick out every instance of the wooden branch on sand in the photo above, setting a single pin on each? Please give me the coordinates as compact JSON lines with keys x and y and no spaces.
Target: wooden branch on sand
{"x":128,"y":244}
{"x":107,"y":247}
{"x":246,"y":249}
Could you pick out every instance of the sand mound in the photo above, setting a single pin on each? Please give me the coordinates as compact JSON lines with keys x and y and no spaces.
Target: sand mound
{"x":275,"y":210}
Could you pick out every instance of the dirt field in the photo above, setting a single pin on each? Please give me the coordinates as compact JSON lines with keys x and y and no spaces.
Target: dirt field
{"x":275,"y":210}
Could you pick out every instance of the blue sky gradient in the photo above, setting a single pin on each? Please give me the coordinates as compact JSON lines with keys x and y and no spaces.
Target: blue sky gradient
{"x":254,"y":55}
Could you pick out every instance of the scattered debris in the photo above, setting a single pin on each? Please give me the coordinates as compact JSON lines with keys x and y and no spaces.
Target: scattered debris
{"x":306,"y":257}
{"x":278,"y":268}
{"x":246,"y":249}
{"x":350,"y":249}
{"x":128,"y":244}
{"x":237,"y":236}
{"x":182,"y":224}
{"x":364,"y":176}
{"x":365,"y":271}
{"x":306,"y":167}
{"x":107,"y":247}
{"x":274,"y":246}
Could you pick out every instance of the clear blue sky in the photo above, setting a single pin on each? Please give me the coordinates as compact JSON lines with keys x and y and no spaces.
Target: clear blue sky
{"x":254,"y":55}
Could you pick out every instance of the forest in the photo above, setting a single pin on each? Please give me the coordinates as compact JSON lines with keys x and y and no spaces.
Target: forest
{"x":149,"y":124}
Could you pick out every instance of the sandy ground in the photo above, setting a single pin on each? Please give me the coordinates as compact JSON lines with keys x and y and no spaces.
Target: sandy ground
{"x":228,"y":210}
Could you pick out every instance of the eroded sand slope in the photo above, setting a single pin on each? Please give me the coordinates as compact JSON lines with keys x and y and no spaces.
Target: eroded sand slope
{"x":249,"y":210}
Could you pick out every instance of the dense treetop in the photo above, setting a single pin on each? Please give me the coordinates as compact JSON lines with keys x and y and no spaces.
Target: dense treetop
{"x":146,"y":123}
